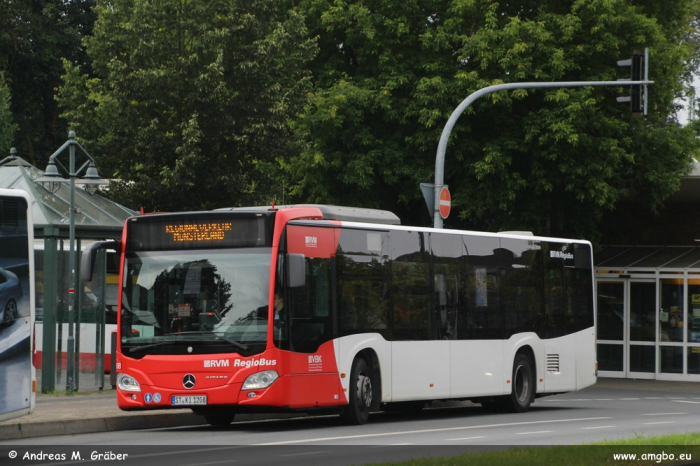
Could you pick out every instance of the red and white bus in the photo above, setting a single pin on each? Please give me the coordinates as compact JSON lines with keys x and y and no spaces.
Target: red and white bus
{"x":315,"y":307}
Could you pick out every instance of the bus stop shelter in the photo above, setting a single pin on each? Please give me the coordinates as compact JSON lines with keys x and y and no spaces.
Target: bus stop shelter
{"x":96,"y":218}
{"x":648,"y":323}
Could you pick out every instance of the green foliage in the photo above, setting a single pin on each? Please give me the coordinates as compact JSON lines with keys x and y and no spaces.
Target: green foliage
{"x":652,"y":449}
{"x":35,"y":35}
{"x":7,"y":127}
{"x":190,"y":100}
{"x":389,"y":74}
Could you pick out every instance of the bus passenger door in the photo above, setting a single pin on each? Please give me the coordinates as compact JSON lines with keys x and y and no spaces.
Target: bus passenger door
{"x":314,"y":379}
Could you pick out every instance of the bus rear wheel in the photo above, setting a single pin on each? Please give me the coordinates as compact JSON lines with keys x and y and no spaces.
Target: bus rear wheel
{"x":360,"y":391}
{"x":523,"y":385}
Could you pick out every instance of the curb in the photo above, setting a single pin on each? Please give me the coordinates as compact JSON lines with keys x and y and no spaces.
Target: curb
{"x":117,"y":423}
{"x":90,"y":426}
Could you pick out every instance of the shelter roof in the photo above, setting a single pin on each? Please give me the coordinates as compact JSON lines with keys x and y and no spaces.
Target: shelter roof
{"x":53,"y":209}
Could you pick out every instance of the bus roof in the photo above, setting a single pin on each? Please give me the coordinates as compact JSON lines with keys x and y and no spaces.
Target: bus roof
{"x":333,"y":212}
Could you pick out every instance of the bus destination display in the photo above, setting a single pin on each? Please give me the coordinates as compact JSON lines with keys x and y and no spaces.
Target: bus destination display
{"x":175,"y":232}
{"x":198,"y":231}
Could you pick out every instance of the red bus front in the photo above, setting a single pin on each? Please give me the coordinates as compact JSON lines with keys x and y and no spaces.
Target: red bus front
{"x":200,"y":326}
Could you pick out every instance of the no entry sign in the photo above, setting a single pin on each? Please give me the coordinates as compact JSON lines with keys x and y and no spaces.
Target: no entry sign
{"x":445,"y":202}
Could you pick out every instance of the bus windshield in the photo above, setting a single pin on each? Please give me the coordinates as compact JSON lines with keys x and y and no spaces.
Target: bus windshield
{"x":214,"y":300}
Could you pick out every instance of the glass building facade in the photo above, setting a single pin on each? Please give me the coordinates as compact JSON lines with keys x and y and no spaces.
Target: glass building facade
{"x":648,"y":312}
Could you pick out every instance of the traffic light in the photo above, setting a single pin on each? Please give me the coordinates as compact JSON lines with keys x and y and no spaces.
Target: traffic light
{"x":638,"y":72}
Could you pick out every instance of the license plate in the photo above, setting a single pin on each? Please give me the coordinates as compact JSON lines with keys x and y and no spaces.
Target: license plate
{"x":189,"y":400}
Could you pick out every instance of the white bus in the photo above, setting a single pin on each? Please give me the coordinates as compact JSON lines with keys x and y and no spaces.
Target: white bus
{"x":17,"y":373}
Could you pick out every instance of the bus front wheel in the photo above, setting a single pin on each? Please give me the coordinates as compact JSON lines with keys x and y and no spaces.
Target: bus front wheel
{"x":523,"y":385}
{"x":360,"y":391}
{"x":218,"y":418}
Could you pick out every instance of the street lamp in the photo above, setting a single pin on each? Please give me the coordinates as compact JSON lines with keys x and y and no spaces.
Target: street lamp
{"x":52,"y":180}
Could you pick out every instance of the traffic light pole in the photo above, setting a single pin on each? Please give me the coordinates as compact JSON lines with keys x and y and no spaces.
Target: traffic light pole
{"x":442,"y":145}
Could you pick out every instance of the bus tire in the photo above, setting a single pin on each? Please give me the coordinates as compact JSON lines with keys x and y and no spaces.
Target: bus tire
{"x":523,"y":385}
{"x":360,"y":394}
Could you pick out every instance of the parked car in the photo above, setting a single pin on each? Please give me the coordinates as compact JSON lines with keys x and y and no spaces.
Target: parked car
{"x":10,"y":296}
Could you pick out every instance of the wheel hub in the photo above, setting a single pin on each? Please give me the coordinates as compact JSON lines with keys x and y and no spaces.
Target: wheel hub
{"x":522,"y":384}
{"x":364,"y":390}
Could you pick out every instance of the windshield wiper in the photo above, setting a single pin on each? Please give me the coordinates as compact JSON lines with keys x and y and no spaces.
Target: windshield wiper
{"x":167,"y":342}
{"x":222,"y":338}
{"x":160,"y":343}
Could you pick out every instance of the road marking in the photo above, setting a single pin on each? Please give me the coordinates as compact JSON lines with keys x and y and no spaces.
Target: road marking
{"x":538,"y":432}
{"x":663,"y":414}
{"x":629,"y":399}
{"x":598,"y":427}
{"x":686,"y":401}
{"x":652,"y":423}
{"x":309,"y":453}
{"x":445,"y":429}
{"x":466,"y":438}
{"x":563,"y":400}
{"x":603,"y":399}
{"x":213,"y":462}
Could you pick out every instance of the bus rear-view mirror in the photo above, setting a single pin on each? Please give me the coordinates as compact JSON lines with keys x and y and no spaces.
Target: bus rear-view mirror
{"x":296,"y":271}
{"x":87,"y":263}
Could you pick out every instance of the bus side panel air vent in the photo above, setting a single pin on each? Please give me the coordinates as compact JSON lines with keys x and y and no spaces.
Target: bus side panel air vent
{"x":552,"y":363}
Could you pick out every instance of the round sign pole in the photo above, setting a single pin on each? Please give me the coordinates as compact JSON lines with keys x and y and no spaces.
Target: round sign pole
{"x":445,"y":202}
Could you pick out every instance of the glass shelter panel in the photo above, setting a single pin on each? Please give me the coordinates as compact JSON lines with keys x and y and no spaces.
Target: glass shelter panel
{"x":662,"y":257}
{"x":693,"y":320}
{"x":642,"y":311}
{"x":671,"y":310}
{"x":694,"y":360}
{"x":642,"y":358}
{"x":611,"y":310}
{"x":671,"y":359}
{"x":610,"y":357}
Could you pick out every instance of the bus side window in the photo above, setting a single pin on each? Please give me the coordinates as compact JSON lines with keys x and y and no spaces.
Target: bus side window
{"x":362,"y":295}
{"x":311,"y":323}
{"x":411,"y":289}
{"x":363,"y":282}
{"x":483,"y":319}
{"x":448,"y":254}
{"x":521,"y":288}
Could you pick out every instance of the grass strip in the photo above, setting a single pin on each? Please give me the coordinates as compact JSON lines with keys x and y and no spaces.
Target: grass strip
{"x":668,"y":449}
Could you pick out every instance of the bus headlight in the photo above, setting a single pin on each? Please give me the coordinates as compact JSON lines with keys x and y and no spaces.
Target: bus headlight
{"x":260,"y":380}
{"x":127,"y":383}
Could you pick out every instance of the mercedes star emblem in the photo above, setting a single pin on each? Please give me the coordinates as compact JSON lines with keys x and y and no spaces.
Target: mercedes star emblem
{"x":188,"y":381}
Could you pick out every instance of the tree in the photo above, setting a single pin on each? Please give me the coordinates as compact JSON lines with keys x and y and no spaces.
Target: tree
{"x":389,"y":74}
{"x":7,"y":127}
{"x":35,"y":35}
{"x":190,"y":99}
